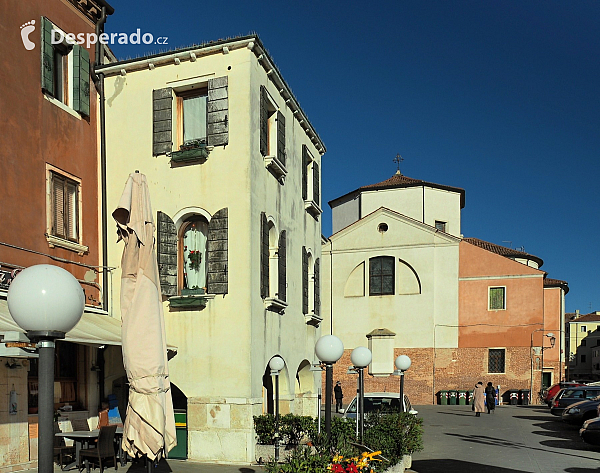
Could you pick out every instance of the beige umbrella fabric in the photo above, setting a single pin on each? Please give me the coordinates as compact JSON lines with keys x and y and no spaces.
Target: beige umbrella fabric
{"x":150,"y":422}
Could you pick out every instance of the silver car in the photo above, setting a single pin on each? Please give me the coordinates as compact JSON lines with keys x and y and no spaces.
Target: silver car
{"x":378,"y":401}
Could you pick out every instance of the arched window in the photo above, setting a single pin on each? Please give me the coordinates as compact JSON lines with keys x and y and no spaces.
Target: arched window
{"x":192,"y":242}
{"x":381,"y":276}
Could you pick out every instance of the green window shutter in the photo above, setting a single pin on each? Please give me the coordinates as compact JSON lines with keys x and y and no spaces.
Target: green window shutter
{"x":496,"y":298}
{"x":217,"y":131}
{"x":47,"y":56}
{"x":305,"y":162}
{"x":162,"y":110}
{"x":264,"y":122}
{"x":217,"y":253}
{"x":316,"y":181}
{"x":317,"y":288}
{"x":264,"y":256}
{"x":81,"y":80}
{"x":281,"y":138}
{"x":166,"y":253}
{"x":281,"y":266}
{"x":304,"y":280}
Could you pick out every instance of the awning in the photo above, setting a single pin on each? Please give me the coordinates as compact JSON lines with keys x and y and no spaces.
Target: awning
{"x":92,"y":329}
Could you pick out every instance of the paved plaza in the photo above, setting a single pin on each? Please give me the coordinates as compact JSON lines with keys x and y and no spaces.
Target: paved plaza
{"x":511,"y":440}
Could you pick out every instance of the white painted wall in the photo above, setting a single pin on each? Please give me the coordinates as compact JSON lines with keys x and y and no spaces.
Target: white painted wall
{"x":434,"y":257}
{"x":223,"y":350}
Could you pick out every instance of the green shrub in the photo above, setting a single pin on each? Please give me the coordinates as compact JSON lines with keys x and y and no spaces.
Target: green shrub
{"x":264,"y":426}
{"x":302,"y":460}
{"x":395,"y":434}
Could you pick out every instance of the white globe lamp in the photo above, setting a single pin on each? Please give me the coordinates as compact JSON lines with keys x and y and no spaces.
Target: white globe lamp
{"x":46,"y":301}
{"x":276,"y":364}
{"x":361,"y":357}
{"x":329,"y":349}
{"x":403,"y":363}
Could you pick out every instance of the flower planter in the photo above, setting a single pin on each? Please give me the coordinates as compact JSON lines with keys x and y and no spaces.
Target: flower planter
{"x":193,"y":292}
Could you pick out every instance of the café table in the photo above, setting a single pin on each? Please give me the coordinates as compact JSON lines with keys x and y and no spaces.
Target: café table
{"x":82,"y":439}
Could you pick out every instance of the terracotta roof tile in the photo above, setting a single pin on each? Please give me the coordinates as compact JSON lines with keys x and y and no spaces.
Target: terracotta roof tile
{"x":548,"y":282}
{"x":593,"y":317}
{"x":399,"y":181}
{"x":503,"y":251}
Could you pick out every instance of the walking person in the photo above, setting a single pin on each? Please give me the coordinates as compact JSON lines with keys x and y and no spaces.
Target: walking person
{"x":490,"y":397}
{"x":339,"y":395}
{"x":478,"y":399}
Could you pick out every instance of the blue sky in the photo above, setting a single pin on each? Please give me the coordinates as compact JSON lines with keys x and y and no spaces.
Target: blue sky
{"x":499,"y":98}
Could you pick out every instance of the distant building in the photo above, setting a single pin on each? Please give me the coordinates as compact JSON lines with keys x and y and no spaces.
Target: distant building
{"x":583,"y":346}
{"x":399,"y":277}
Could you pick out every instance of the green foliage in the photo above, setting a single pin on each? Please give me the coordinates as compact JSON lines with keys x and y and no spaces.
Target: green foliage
{"x":395,"y":434}
{"x":264,"y":426}
{"x":302,"y":460}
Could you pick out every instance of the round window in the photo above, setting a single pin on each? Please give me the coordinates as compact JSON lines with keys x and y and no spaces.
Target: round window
{"x":382,"y":227}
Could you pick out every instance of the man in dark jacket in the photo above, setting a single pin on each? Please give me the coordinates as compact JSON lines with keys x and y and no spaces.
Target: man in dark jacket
{"x":337,"y":392}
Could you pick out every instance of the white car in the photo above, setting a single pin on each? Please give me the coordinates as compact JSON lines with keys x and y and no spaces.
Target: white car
{"x":377,"y":401}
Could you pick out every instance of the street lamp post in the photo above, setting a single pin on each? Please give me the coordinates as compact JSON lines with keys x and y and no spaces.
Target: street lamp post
{"x":46,"y":301}
{"x":402,"y":364}
{"x":276,"y":364}
{"x":329,"y":349}
{"x":361,"y":358}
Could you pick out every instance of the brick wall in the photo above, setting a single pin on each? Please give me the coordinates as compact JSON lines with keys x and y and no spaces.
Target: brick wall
{"x":454,"y":368}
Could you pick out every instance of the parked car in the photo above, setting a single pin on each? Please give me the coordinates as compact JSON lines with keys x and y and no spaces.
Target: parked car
{"x":378,"y":401}
{"x":553,"y":390}
{"x":590,"y":431}
{"x":581,"y":411}
{"x":568,"y":396}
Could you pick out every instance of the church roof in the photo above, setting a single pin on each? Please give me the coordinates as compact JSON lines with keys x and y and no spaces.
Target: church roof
{"x":503,"y":251}
{"x":398,"y":181}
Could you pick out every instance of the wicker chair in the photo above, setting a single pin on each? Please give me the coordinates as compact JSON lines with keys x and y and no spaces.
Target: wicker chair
{"x":105,"y":449}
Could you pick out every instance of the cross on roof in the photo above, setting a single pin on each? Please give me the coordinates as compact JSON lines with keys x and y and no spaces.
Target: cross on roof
{"x":398,"y":159}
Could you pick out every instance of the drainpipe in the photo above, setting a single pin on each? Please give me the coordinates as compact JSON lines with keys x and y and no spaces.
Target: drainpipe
{"x":99,"y":83}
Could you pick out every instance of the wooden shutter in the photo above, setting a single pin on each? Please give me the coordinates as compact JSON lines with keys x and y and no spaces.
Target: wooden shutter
{"x":305,"y":162}
{"x":281,"y":138}
{"x":217,"y":253}
{"x":218,"y":112}
{"x":264,"y":122}
{"x":304,"y":281}
{"x":71,"y":211}
{"x":166,"y":254}
{"x":162,"y":106}
{"x":81,"y":80}
{"x":317,"y":288}
{"x":47,"y":56}
{"x":264,"y":256}
{"x":58,"y":206}
{"x":316,"y":179}
{"x":281,"y":266}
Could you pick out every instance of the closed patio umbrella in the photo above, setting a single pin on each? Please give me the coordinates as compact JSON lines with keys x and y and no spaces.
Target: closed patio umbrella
{"x":150,"y":423}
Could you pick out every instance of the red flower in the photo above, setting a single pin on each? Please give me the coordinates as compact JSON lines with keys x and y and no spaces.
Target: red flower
{"x":337,"y":468}
{"x":352,"y":468}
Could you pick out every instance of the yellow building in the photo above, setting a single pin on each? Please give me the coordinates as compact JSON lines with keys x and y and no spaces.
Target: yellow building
{"x":583,"y":339}
{"x":233,"y":167}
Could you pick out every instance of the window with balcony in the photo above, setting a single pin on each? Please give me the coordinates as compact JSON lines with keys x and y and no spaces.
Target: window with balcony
{"x":273,"y":266}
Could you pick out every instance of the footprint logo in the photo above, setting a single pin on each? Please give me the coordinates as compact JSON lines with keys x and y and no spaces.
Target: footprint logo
{"x":26,"y":30}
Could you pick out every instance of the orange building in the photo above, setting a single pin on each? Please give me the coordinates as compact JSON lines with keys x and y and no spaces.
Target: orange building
{"x":510,"y":316}
{"x":50,"y":199}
